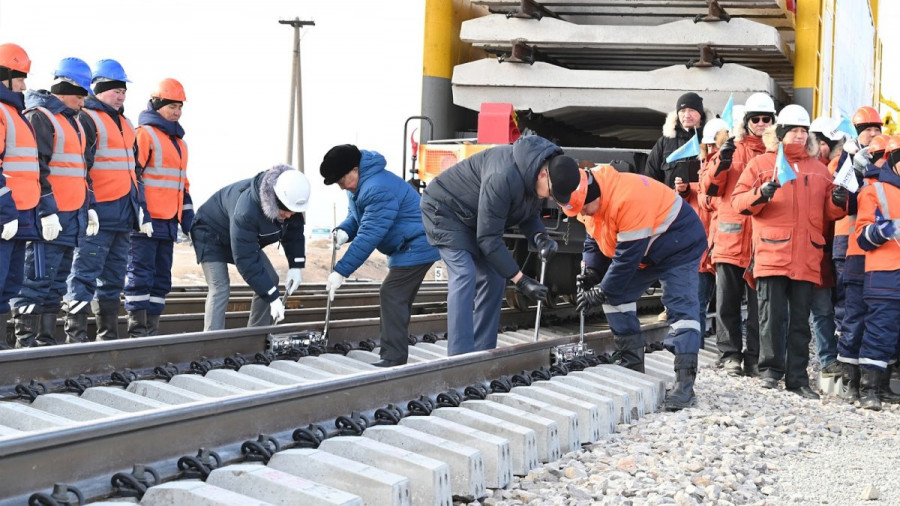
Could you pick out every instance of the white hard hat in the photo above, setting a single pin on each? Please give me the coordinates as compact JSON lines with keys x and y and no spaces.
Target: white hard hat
{"x":292,"y":190}
{"x":793,"y":115}
{"x":759,"y":103}
{"x":713,"y":127}
{"x":827,"y":127}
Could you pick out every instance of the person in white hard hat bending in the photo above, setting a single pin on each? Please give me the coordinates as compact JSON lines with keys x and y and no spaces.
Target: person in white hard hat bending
{"x":233,"y":227}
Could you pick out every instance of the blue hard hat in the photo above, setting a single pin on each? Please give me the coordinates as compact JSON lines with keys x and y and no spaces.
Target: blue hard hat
{"x":75,"y":70}
{"x":109,"y":69}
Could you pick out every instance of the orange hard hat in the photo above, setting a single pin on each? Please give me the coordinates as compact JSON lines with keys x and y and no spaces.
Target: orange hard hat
{"x":13,"y":57}
{"x":169,"y":89}
{"x":879,"y":143}
{"x":893,"y":144}
{"x":866,"y":115}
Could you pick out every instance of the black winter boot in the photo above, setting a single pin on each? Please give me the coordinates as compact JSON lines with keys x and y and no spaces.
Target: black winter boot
{"x":137,"y":323}
{"x":868,"y":389}
{"x":152,"y":324}
{"x":682,"y":394}
{"x":26,"y":330}
{"x":46,"y":330}
{"x":107,"y":318}
{"x":630,"y":349}
{"x":885,"y":394}
{"x":76,"y":328}
{"x":849,"y":382}
{"x":7,"y":339}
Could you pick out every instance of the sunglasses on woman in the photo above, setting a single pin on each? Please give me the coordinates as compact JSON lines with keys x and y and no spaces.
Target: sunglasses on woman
{"x":761,"y":119}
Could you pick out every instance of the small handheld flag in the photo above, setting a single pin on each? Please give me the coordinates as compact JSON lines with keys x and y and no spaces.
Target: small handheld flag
{"x":783,"y":170}
{"x":847,"y":127}
{"x":727,"y":113}
{"x":690,"y":149}
{"x":846,"y":177}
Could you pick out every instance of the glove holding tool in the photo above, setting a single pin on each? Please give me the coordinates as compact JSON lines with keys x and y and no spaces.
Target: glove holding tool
{"x":334,"y":248}
{"x":547,"y":247}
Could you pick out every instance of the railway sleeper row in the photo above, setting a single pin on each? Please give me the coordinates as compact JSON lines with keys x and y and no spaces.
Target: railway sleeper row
{"x":457,"y":444}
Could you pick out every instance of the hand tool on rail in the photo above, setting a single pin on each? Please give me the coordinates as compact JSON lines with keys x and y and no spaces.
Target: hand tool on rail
{"x":581,"y":313}
{"x":567,"y":352}
{"x":328,"y":302}
{"x":537,"y":320}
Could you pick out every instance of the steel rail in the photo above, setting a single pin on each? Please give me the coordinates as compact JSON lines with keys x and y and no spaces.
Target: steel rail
{"x":86,"y":455}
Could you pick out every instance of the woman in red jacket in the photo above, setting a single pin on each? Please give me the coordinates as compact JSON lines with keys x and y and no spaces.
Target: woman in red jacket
{"x":789,"y":200}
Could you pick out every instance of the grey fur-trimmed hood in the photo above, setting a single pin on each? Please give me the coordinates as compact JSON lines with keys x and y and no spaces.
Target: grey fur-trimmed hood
{"x":671,"y":123}
{"x":267,"y":199}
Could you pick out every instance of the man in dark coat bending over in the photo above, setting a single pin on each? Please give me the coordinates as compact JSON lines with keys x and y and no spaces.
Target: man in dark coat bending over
{"x":466,"y":210}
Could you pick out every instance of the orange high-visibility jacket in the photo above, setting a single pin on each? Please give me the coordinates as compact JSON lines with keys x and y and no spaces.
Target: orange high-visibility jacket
{"x":112,"y":173}
{"x":20,"y":158}
{"x":165,"y":172}
{"x":67,"y":170}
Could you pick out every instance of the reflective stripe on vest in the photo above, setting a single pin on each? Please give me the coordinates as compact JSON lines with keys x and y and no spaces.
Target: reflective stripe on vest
{"x":163,"y":186}
{"x":20,"y":163}
{"x":67,"y":169}
{"x":633,"y":235}
{"x":112,"y":173}
{"x":883,"y":203}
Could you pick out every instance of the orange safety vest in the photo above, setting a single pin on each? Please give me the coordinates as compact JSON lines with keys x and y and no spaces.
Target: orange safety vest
{"x":887,"y":256}
{"x":165,"y":172}
{"x":631,"y":208}
{"x":112,"y":173}
{"x":20,"y":159}
{"x":67,"y":168}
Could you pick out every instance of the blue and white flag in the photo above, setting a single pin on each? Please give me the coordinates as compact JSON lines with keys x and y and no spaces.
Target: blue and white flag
{"x":783,"y":170}
{"x":727,"y":113}
{"x":846,"y":176}
{"x":690,"y":149}
{"x":847,"y":127}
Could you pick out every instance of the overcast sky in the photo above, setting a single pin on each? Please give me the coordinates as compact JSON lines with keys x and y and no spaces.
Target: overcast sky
{"x":362,"y":74}
{"x":362,"y":65}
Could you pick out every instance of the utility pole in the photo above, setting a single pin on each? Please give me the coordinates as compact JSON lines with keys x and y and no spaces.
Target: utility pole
{"x":296,"y":94}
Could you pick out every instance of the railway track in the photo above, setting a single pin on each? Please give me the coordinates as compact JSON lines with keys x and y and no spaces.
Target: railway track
{"x":164,"y":419}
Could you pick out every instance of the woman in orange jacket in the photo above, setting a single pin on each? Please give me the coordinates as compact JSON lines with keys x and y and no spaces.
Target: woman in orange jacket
{"x":789,"y":200}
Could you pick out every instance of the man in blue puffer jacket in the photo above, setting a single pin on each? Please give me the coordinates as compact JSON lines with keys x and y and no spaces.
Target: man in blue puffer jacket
{"x":383,"y":213}
{"x":233,"y":227}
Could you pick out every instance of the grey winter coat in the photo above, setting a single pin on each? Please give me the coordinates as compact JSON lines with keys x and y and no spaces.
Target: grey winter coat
{"x":470,"y":205}
{"x":239,"y":220}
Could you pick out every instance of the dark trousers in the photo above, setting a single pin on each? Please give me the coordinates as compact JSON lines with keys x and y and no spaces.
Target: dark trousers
{"x":730,"y":288}
{"x":149,"y":274}
{"x":44,"y":294}
{"x":12,"y":271}
{"x":398,"y":291}
{"x":783,"y":299}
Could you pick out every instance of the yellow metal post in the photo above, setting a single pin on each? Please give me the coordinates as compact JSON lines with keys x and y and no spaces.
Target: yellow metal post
{"x":807,"y":55}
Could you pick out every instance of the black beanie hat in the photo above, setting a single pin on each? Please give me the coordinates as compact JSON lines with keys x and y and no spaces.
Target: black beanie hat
{"x":158,"y":103}
{"x":338,"y":161}
{"x":8,"y":73}
{"x":102,"y":86}
{"x":782,"y":130}
{"x":863,"y":126}
{"x":67,"y":88}
{"x":690,"y":100}
{"x":564,"y":177}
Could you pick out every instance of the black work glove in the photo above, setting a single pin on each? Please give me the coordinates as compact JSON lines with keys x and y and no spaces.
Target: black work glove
{"x":839,"y":197}
{"x":589,"y":279}
{"x":767,"y":190}
{"x":726,"y":152}
{"x":532,"y":289}
{"x":545,"y":245}
{"x":590,"y":298}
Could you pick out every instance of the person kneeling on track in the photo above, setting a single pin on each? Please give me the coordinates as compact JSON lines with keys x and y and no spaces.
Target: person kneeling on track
{"x":233,"y":227}
{"x":383,"y":212}
{"x":652,"y":235}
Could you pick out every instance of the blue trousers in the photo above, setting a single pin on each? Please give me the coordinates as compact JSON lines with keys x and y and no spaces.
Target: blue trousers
{"x":838,"y":292}
{"x":474,"y":298}
{"x":854,"y":324}
{"x":98,"y":269}
{"x":149,"y":274}
{"x":679,"y":287}
{"x":12,"y":271}
{"x":44,"y":294}
{"x":879,"y":343}
{"x":821,"y":316}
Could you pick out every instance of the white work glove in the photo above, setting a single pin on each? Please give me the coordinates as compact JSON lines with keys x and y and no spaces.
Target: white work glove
{"x":147,"y":229}
{"x":50,"y":227}
{"x":293,"y":280}
{"x":10,"y":229}
{"x":93,"y":225}
{"x":276,"y":309}
{"x":340,"y":237}
{"x":334,"y":282}
{"x":861,"y":160}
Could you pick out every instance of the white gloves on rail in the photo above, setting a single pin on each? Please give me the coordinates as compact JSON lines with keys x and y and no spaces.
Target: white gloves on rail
{"x":340,"y":238}
{"x":276,"y":309}
{"x":334,"y":282}
{"x":293,"y":280}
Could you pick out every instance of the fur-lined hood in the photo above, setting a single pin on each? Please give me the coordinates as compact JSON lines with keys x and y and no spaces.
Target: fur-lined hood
{"x":671,"y":125}
{"x":266,"y":191}
{"x":770,"y":139}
